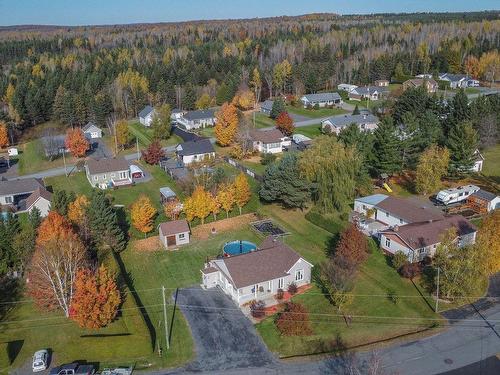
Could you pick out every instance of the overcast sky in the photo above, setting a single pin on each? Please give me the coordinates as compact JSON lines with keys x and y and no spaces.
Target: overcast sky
{"x":91,"y":12}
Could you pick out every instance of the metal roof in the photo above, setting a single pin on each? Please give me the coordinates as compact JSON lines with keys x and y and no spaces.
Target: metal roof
{"x":346,"y":120}
{"x":372,"y":199}
{"x":146,"y":111}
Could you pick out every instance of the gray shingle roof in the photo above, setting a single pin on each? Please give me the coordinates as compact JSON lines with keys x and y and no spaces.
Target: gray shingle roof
{"x":453,"y":77}
{"x":20,"y":186}
{"x":267,"y":136}
{"x":410,"y":210}
{"x":486,"y":195}
{"x":107,"y":165}
{"x":267,"y":105}
{"x":196,"y":147}
{"x":370,"y":89}
{"x":346,"y":120}
{"x":200,"y":114}
{"x":146,"y":111}
{"x":322,"y":97}
{"x":89,"y":126}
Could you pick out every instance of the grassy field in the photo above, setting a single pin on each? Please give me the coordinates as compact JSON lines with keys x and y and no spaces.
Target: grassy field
{"x":32,"y":158}
{"x":491,"y":166}
{"x":311,"y":131}
{"x":315,"y":113}
{"x":145,"y":135}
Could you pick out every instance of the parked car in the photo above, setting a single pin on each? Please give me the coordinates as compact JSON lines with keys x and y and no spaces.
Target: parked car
{"x":73,"y":369}
{"x":40,"y":360}
{"x":117,"y":371}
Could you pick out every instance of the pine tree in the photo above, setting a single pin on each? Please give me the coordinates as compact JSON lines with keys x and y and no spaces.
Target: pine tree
{"x":60,"y":201}
{"x":386,"y":148}
{"x":278,"y":107}
{"x":103,"y":223}
{"x":356,"y":110}
{"x":462,"y":143}
{"x":460,"y":111}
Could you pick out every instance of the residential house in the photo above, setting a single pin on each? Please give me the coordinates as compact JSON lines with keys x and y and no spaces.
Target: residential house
{"x":257,"y":274}
{"x":346,"y":87}
{"x":420,"y":240}
{"x":167,"y":195}
{"x":267,"y":107}
{"x":108,"y":172}
{"x":430,"y":85}
{"x":321,"y":99}
{"x":472,"y":82}
{"x":176,"y":115}
{"x":364,"y":121}
{"x":39,"y":199}
{"x":146,"y":115}
{"x":300,"y":142}
{"x":92,"y":131}
{"x":483,"y":201}
{"x":197,"y":150}
{"x":382,"y":83}
{"x":197,"y":119}
{"x":424,"y":75}
{"x":368,"y":92}
{"x":175,"y":168}
{"x":456,"y":81}
{"x":269,"y":141}
{"x":478,"y":163}
{"x":174,"y":233}
{"x":14,"y":191}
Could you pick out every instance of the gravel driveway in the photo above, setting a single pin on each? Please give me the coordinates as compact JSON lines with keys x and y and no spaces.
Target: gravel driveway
{"x":224,"y":338}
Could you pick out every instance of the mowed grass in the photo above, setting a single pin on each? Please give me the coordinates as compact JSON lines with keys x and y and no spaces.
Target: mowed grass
{"x":32,"y":158}
{"x":374,"y":316}
{"x":491,"y":165}
{"x":311,"y":131}
{"x":144,"y":136}
{"x":315,"y":113}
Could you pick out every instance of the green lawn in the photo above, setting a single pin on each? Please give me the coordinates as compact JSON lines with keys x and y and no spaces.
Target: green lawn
{"x":315,"y":113}
{"x":374,"y":316}
{"x":262,"y":120}
{"x":32,"y":158}
{"x":311,"y":131}
{"x":491,"y":166}
{"x":359,"y":103}
{"x":145,"y":135}
{"x":254,"y":166}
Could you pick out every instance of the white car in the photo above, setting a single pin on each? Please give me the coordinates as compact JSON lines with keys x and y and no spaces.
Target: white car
{"x":40,"y":359}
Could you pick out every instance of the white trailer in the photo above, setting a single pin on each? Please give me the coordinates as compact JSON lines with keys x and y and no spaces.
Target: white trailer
{"x":456,"y":195}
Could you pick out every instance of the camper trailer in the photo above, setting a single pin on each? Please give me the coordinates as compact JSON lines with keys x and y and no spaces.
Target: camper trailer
{"x":456,"y":195}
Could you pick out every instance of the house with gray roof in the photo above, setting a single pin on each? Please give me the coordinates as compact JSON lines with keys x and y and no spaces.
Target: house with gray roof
{"x":364,"y":121}
{"x":14,"y":191}
{"x":197,"y":150}
{"x":322,"y":99}
{"x":41,"y":199}
{"x":271,"y":141}
{"x":200,"y":118}
{"x":108,"y":172}
{"x":456,"y":81}
{"x":369,"y":93}
{"x":258,"y":274}
{"x":92,"y":131}
{"x":146,"y":115}
{"x":267,"y":107}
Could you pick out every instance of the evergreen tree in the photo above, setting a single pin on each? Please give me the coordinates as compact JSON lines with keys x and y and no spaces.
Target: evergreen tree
{"x":35,"y":218}
{"x":462,"y":143}
{"x":103,"y":223}
{"x":189,"y":99}
{"x":278,"y":107}
{"x":356,"y":110}
{"x":283,"y":183}
{"x":60,"y":201}
{"x":386,"y":148}
{"x":459,"y":111}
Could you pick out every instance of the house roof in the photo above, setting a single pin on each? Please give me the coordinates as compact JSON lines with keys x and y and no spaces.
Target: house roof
{"x":199,"y":114}
{"x":416,"y":82}
{"x":267,"y":136}
{"x":41,"y":192}
{"x":177,"y":110}
{"x":365,"y":90}
{"x":274,"y":260}
{"x":322,"y":97}
{"x":20,"y":186}
{"x":410,"y":210}
{"x":107,"y":165}
{"x":485,"y":195}
{"x":346,"y":120}
{"x":90,"y":126}
{"x":453,"y":77}
{"x":372,"y":199}
{"x":146,"y":111}
{"x":195,"y":147}
{"x":170,"y":228}
{"x":418,"y":235}
{"x":268,"y":104}
{"x":167,"y":192}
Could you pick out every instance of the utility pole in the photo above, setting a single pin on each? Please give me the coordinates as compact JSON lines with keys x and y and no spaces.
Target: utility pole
{"x":437,"y":291}
{"x":137,"y":145}
{"x":116,"y":139}
{"x":64,"y":161}
{"x":165,"y":317}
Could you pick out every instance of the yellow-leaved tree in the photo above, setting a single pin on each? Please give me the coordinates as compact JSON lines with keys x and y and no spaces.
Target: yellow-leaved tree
{"x":488,"y":242}
{"x":122,"y":133}
{"x":143,"y":214}
{"x":242,"y":192}
{"x":199,"y":204}
{"x":227,"y":124}
{"x":4,"y":136}
{"x":77,"y":209}
{"x":225,"y":197}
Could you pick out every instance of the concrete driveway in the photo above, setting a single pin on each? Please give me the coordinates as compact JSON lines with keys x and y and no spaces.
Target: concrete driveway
{"x":224,"y":338}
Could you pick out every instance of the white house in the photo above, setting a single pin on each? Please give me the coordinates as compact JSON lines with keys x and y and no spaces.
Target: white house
{"x":420,"y":240}
{"x":174,"y":233}
{"x":146,"y":115}
{"x":322,"y":99}
{"x":92,"y":131}
{"x":368,"y":92}
{"x":197,"y":119}
{"x":13,"y":151}
{"x":364,"y":121}
{"x":456,"y":81}
{"x":269,"y":141}
{"x":39,"y":199}
{"x":176,"y":114}
{"x":346,"y":87}
{"x":14,"y":191}
{"x":257,"y":274}
{"x":478,"y":164}
{"x":424,"y":76}
{"x":197,"y":150}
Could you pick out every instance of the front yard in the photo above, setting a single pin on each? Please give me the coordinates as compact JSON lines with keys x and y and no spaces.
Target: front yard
{"x":311,"y":131}
{"x":315,"y":113}
{"x":32,"y":158}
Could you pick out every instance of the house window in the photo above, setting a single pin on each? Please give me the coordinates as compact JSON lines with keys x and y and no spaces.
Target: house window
{"x":104,"y":176}
{"x":400,"y":221}
{"x":422,"y":251}
{"x":280,"y":283}
{"x":364,"y":207}
{"x":8,"y":199}
{"x":387,"y":214}
{"x":387,"y":242}
{"x":181,"y":236}
{"x":299,"y":275}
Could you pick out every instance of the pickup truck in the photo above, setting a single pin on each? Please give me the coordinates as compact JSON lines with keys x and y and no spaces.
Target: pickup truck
{"x":73,"y":369}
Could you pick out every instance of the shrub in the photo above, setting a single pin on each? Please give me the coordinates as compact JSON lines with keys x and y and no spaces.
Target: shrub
{"x":280,"y":294}
{"x":316,"y":106}
{"x":292,"y":288}
{"x":410,"y":270}
{"x":267,"y":158}
{"x":399,"y":259}
{"x":257,"y":309}
{"x":294,"y":320}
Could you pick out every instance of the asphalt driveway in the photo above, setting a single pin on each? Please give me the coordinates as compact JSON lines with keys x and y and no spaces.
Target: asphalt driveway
{"x":224,"y":338}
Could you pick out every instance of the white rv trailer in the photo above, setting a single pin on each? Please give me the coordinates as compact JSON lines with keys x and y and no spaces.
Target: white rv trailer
{"x":456,"y":195}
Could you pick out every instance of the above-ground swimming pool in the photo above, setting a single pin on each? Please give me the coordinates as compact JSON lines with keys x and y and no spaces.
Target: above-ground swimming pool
{"x":238,"y":247}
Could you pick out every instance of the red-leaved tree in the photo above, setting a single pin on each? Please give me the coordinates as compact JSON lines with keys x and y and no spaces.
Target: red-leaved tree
{"x":53,"y":227}
{"x":285,"y":123}
{"x":76,"y":142}
{"x":96,"y":299}
{"x":294,"y":320}
{"x":352,"y":247}
{"x":154,"y":153}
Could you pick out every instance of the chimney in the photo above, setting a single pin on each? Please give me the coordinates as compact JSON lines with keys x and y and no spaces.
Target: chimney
{"x":395,"y":228}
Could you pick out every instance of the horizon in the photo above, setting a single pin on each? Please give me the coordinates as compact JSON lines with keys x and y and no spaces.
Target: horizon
{"x":95,"y":13}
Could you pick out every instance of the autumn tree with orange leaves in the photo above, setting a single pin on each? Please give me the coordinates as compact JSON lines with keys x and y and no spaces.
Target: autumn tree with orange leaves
{"x":96,"y":298}
{"x":285,"y":123}
{"x":242,"y":192}
{"x":199,"y":204}
{"x":53,"y":227}
{"x":4,"y":136}
{"x":77,"y":214}
{"x":143,"y":214}
{"x":172,"y":209}
{"x":76,"y":142}
{"x":226,"y":125}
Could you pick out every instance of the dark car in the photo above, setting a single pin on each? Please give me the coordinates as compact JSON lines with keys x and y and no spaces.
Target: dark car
{"x":73,"y":369}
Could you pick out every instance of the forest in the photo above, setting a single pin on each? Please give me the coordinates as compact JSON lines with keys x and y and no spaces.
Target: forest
{"x":79,"y":74}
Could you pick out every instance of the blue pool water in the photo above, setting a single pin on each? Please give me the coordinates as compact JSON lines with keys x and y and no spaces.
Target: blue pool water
{"x":238,"y":247}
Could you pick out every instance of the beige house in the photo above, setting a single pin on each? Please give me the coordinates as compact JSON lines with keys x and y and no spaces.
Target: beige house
{"x":430,"y":85}
{"x":174,"y":233}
